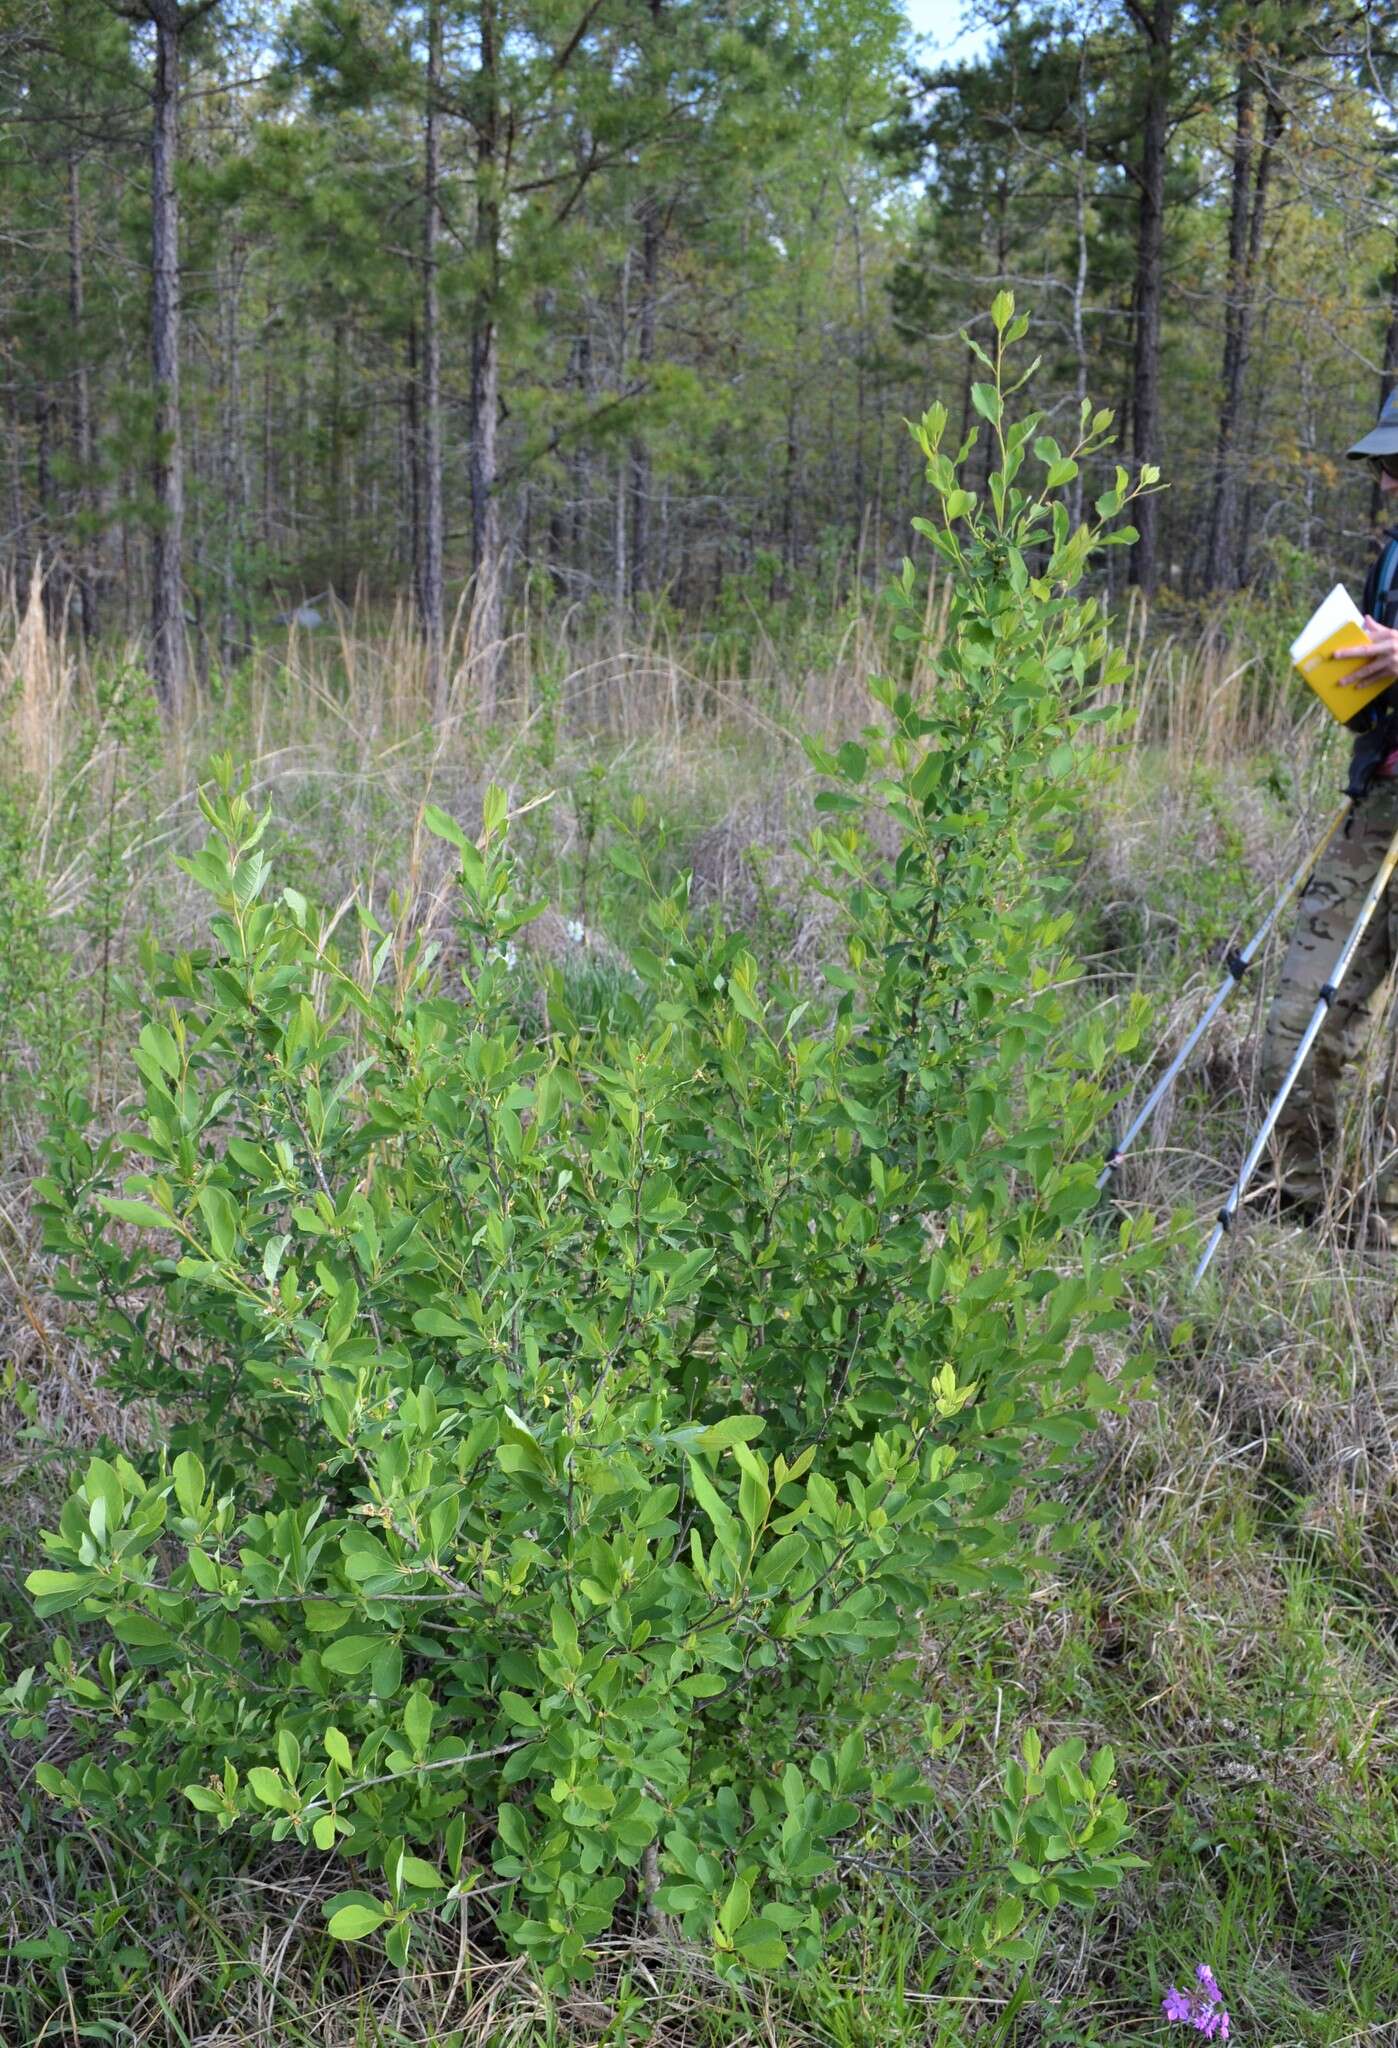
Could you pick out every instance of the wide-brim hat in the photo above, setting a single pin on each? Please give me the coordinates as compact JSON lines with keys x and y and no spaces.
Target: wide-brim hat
{"x":1382,"y":438}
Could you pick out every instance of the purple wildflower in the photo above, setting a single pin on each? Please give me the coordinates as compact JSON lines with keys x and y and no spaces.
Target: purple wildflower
{"x":1202,"y":2009}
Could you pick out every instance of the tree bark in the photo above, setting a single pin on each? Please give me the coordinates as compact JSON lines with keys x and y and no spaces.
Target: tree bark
{"x":433,"y":602}
{"x":169,"y":655}
{"x":1157,"y":27}
{"x":487,"y":609}
{"x":19,"y":513}
{"x":233,"y":469}
{"x":620,"y":582}
{"x":269,"y":459}
{"x":1225,"y":563}
{"x":1271,"y":136}
{"x":1222,"y":506}
{"x":860,"y":371}
{"x":645,"y":355}
{"x":1080,"y":391}
{"x":412,"y":467}
{"x":53,"y":581}
{"x":82,"y":408}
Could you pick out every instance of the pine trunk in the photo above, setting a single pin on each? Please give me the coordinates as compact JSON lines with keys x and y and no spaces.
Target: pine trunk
{"x":1236,"y":560}
{"x":82,"y":410}
{"x":233,"y":478}
{"x":487,"y":610}
{"x":169,"y":658}
{"x":1223,"y":506}
{"x":620,"y":583}
{"x":432,"y":592}
{"x":1158,"y":27}
{"x":645,"y":355}
{"x":53,"y":580}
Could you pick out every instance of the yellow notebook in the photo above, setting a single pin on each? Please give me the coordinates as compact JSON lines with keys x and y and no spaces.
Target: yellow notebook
{"x":1337,"y":623}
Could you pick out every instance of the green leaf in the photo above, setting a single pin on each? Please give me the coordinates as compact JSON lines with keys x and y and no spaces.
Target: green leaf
{"x":721,"y":1518}
{"x":143,"y":1213}
{"x":159,"y":1041}
{"x":101,"y":1483}
{"x":350,"y":1655}
{"x":352,"y":1923}
{"x":189,"y":1482}
{"x":44,"y":1585}
{"x":434,"y":1322}
{"x":733,"y":1429}
{"x":220,"y":1213}
{"x":386,"y":1671}
{"x":417,"y":1720}
{"x":513,"y":1832}
{"x":627,"y":860}
{"x":736,"y":1907}
{"x":495,"y":810}
{"x":138,"y":1631}
{"x":443,"y":827}
{"x":761,"y":1946}
{"x":703,"y":1685}
{"x":268,"y":1786}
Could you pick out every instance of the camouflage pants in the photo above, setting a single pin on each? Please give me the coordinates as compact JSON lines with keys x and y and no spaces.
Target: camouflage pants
{"x":1314,"y":1160}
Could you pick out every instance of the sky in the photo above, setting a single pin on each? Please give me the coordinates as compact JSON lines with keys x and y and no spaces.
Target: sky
{"x":941,"y":19}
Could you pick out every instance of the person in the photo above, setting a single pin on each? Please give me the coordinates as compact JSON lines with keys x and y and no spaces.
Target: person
{"x":1310,"y":1140}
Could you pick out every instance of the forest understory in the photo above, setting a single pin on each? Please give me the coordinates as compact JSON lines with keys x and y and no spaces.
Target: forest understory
{"x":1225,"y":1621}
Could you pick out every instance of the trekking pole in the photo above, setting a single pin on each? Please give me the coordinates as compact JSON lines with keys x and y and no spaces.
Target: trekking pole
{"x":1227,"y":1215}
{"x":1238,"y":964}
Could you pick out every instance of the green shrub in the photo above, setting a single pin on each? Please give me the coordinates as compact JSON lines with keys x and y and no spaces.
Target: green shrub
{"x":570,"y":1441}
{"x":35,"y":980}
{"x":59,"y":991}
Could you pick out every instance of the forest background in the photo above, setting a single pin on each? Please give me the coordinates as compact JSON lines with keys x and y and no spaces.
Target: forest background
{"x":618,"y":309}
{"x":406,"y":401}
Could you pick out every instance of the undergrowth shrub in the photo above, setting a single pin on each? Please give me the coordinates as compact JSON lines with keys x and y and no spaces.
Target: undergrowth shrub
{"x":572,"y":1434}
{"x":67,"y":891}
{"x":35,"y":982}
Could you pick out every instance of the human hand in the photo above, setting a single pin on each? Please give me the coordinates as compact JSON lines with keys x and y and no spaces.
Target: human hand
{"x":1381,"y":649}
